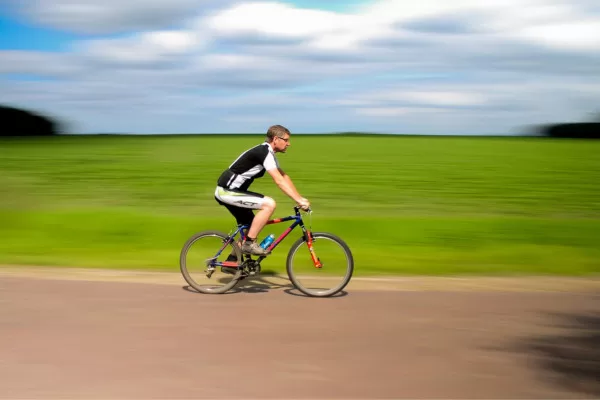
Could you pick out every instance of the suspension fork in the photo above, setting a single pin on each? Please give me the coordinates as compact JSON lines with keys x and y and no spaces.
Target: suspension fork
{"x":309,"y":243}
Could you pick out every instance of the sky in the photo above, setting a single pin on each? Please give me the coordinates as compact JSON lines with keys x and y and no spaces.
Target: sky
{"x":468,"y":67}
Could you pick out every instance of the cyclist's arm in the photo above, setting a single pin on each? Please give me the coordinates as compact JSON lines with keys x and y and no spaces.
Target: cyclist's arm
{"x":285,"y":184}
{"x":287,"y":179}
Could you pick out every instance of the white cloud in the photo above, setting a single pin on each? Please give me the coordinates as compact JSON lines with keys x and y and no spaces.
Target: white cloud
{"x":512,"y":104}
{"x":437,"y":65}
{"x":442,"y":98}
{"x":108,"y":16}
{"x":277,"y":19}
{"x":392,"y":112}
{"x":559,"y":24}
{"x":320,"y":30}
{"x":570,"y":35}
{"x":148,"y":47}
{"x":173,"y":41}
{"x":393,"y":11}
{"x":47,"y":64}
{"x":429,"y":97}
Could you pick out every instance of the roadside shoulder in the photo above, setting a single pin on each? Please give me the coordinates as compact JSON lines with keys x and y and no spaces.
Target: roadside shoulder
{"x":377,"y":283}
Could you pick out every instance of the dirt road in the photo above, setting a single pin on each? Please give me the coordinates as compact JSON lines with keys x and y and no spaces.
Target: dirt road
{"x":113,"y":338}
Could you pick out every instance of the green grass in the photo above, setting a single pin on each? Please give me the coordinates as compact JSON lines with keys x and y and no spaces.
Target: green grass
{"x":405,"y":205}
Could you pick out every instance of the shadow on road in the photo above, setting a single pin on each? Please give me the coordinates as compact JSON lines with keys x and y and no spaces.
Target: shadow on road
{"x":295,"y":292}
{"x":570,"y":359}
{"x":258,"y":284}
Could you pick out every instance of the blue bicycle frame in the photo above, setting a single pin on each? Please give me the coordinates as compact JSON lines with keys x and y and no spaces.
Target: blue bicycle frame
{"x":243,"y":231}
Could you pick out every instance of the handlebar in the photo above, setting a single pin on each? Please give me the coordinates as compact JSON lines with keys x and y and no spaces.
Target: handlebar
{"x":296,"y":209}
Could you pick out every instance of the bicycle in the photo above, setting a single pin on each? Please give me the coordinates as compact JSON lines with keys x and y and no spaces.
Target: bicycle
{"x":204,"y":267}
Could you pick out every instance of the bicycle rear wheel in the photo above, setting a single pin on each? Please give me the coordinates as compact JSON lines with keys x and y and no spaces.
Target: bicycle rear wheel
{"x":200,"y":262}
{"x":335,"y":273}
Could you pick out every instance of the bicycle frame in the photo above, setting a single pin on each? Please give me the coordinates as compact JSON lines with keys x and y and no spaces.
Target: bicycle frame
{"x":297,"y":218}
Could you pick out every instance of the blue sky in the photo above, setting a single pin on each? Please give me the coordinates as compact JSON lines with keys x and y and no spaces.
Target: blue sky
{"x":219,"y":66}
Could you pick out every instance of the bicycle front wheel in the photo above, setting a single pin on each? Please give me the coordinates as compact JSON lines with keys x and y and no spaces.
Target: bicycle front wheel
{"x":335,"y":272}
{"x":201,"y":262}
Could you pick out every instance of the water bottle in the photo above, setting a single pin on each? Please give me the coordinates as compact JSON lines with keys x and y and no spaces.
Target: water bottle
{"x":267,"y":241}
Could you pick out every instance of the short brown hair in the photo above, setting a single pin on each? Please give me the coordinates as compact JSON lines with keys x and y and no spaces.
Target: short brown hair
{"x":276,"y":130}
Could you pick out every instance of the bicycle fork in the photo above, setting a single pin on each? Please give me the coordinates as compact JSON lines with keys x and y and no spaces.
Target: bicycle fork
{"x":313,"y":255}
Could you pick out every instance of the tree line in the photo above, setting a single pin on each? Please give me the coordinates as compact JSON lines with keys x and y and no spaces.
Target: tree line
{"x":21,"y":122}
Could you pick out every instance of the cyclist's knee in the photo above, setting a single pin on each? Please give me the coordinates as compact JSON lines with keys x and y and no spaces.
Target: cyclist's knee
{"x":269,"y":203}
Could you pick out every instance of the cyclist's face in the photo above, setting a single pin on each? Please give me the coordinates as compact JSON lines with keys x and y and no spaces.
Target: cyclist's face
{"x":281,"y":143}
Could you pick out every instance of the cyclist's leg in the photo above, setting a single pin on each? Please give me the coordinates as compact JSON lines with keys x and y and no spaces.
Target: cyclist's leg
{"x":245,"y":200}
{"x":262,"y":217}
{"x":241,"y":204}
{"x":243,"y":216}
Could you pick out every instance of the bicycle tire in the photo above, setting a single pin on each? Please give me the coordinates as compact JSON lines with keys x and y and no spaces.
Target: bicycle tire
{"x":186,"y":274}
{"x":320,"y":293}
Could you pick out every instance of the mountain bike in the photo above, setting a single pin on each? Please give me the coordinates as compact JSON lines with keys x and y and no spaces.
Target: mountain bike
{"x":319,"y":264}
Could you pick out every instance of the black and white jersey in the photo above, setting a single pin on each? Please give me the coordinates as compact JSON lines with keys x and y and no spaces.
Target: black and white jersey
{"x":252,"y":164}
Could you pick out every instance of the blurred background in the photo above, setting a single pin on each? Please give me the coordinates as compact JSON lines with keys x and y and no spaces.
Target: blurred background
{"x":435,"y":138}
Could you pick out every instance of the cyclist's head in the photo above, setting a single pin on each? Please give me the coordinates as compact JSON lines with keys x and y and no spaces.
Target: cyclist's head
{"x":277,"y":131}
{"x":279,"y":138}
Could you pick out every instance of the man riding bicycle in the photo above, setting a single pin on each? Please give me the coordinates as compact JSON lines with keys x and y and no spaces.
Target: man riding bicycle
{"x":232,"y":186}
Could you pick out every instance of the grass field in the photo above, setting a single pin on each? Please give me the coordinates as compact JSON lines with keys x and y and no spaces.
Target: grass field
{"x":405,"y":205}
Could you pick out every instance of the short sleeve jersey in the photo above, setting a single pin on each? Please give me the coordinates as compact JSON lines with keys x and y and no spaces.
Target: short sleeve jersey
{"x":251,"y":164}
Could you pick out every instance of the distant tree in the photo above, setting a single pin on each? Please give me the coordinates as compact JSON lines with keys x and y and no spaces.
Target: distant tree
{"x":583,"y":130}
{"x":19,"y":122}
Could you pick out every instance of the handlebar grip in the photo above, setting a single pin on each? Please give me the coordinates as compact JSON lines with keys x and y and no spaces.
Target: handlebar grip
{"x":296,"y":208}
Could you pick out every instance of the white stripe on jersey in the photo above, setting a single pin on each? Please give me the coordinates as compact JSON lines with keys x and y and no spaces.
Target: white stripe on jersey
{"x":240,"y":179}
{"x":269,"y":163}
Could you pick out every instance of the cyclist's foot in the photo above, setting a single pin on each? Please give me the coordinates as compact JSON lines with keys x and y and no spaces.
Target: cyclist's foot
{"x":254,"y":249}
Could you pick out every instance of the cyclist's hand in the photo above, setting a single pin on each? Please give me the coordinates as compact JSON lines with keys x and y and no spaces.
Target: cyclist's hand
{"x":304,"y":204}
